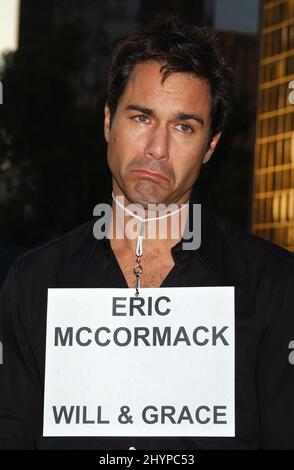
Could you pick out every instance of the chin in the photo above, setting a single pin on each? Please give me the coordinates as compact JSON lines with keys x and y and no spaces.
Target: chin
{"x":145,"y":197}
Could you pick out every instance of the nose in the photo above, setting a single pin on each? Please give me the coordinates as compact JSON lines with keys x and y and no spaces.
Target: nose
{"x":157,"y":145}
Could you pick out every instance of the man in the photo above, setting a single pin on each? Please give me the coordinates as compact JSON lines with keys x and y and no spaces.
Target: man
{"x":168,"y":98}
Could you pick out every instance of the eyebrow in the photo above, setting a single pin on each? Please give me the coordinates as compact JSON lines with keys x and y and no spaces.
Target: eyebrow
{"x":181,"y":116}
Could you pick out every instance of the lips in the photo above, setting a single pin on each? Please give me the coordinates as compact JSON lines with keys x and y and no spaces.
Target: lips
{"x":151,"y":175}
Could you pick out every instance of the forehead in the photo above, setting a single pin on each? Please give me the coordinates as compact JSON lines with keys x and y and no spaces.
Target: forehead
{"x":180,"y":90}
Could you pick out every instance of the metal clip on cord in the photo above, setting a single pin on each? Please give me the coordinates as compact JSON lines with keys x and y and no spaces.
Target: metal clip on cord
{"x":138,"y":269}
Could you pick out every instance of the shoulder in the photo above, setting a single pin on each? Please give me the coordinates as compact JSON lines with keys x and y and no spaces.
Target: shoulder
{"x":51,"y":256}
{"x":247,"y":254}
{"x":251,"y":245}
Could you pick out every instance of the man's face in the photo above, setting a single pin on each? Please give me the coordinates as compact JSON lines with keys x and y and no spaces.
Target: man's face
{"x":161,"y":129}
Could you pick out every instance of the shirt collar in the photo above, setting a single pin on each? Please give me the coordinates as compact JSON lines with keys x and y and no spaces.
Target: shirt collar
{"x":92,"y":255}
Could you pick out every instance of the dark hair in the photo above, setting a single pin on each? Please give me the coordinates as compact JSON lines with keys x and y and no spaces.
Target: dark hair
{"x":178,"y":47}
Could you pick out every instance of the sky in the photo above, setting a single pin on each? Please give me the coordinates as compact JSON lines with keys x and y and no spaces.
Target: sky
{"x":237,"y":15}
{"x":8,"y":24}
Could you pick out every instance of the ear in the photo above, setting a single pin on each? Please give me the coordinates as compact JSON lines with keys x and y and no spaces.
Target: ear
{"x":211,"y":147}
{"x":106,"y":123}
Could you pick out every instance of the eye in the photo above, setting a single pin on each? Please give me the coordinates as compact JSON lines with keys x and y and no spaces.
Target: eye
{"x":140,"y":118}
{"x":185,"y":128}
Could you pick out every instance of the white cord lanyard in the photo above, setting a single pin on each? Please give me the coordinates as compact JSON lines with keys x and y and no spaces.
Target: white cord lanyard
{"x":138,"y":269}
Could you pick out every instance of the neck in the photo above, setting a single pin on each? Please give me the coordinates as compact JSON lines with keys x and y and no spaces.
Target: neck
{"x":162,"y":228}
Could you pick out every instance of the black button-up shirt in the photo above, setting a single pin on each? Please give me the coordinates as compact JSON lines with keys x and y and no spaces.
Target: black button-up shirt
{"x":263,"y":276}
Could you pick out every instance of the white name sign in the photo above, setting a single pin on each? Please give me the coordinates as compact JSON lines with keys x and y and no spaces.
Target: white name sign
{"x":161,"y":364}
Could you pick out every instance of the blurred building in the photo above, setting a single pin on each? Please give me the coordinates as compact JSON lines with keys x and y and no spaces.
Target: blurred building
{"x":39,"y":20}
{"x":198,"y":12}
{"x":226,"y":181}
{"x":36,"y":21}
{"x":273,"y":195}
{"x":98,"y":24}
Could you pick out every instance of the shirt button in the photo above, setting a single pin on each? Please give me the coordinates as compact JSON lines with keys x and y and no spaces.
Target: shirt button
{"x":132,"y":448}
